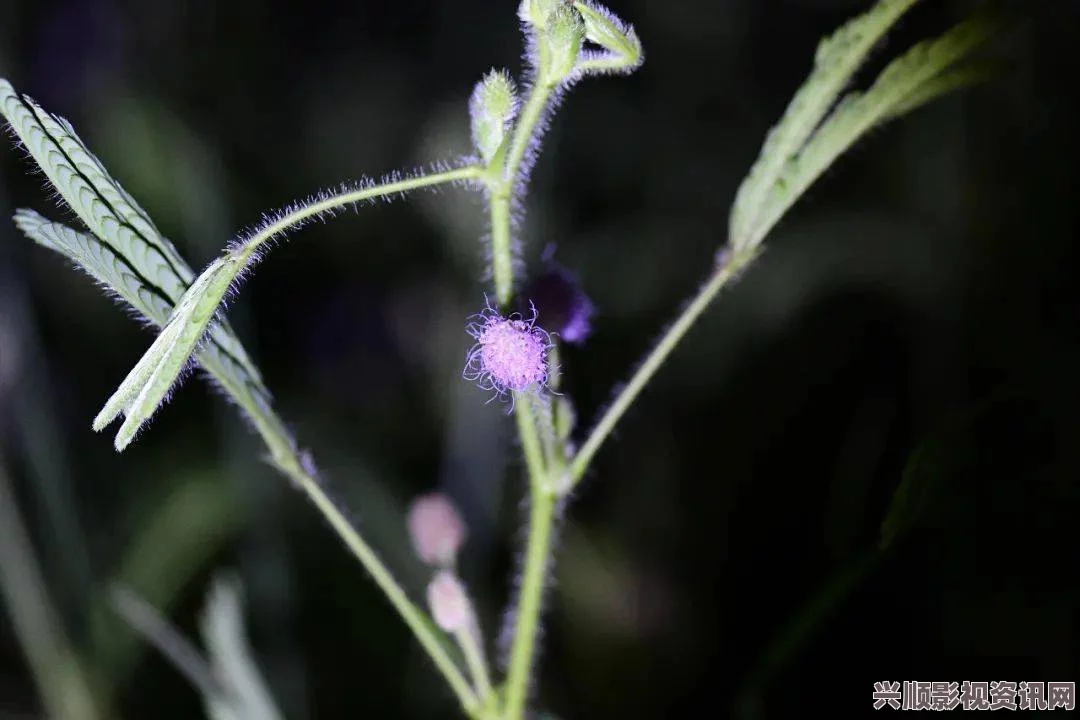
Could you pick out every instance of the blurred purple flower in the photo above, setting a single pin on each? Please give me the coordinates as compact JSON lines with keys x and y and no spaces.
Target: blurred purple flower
{"x":566,"y":309}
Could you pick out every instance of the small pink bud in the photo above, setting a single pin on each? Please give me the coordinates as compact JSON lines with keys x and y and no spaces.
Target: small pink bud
{"x":448,"y":601}
{"x":436,"y":529}
{"x":510,"y":354}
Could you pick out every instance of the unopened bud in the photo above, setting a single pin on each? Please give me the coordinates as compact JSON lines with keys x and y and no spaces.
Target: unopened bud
{"x":609,"y":32}
{"x":560,"y":43}
{"x":448,"y":602}
{"x":436,"y":529}
{"x":565,"y":417}
{"x":537,"y":12}
{"x":492,"y":108}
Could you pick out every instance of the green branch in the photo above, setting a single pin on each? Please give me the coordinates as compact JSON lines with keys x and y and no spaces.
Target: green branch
{"x":720,"y":277}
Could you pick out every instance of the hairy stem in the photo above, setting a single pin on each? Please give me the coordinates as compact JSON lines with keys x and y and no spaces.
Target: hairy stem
{"x":542,"y":501}
{"x":503,"y":176}
{"x":545,"y":457}
{"x":529,"y":435}
{"x":286,"y":456}
{"x":502,"y":254}
{"x":527,"y":126}
{"x":720,"y":277}
{"x":413,"y":616}
{"x":531,"y":595}
{"x":352,"y":197}
{"x":544,"y":422}
{"x":470,"y":640}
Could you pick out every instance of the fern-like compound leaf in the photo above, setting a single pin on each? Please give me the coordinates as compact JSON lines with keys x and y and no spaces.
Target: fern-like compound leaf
{"x":923,"y":72}
{"x":147,"y":385}
{"x":838,"y":58}
{"x":123,"y":250}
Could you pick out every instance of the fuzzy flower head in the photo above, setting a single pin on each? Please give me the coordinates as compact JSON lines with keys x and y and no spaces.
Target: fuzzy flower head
{"x":510,"y":354}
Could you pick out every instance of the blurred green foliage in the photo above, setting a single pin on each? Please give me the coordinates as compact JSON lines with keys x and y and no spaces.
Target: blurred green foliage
{"x":932,"y":270}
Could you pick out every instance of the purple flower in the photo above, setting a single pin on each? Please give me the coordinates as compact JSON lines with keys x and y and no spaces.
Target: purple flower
{"x":510,"y":354}
{"x":567,"y":309}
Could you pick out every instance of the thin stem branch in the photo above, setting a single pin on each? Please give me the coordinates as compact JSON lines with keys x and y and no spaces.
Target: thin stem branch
{"x":720,"y":277}
{"x":529,"y":435}
{"x":287,"y":458}
{"x":502,"y":254}
{"x":471,"y":642}
{"x":530,"y":598}
{"x":526,"y":126}
{"x":537,"y":558}
{"x":351,"y":197}
{"x":534,"y":572}
{"x":413,"y":616}
{"x":503,"y":175}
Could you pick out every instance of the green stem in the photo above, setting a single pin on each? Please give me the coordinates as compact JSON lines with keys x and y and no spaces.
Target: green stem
{"x":471,"y":642}
{"x":286,"y":456}
{"x":720,"y":277}
{"x":291,"y":219}
{"x":529,"y":435}
{"x":526,"y":127}
{"x":502,"y":254}
{"x":543,"y":425}
{"x":543,"y":499}
{"x":413,"y":617}
{"x":530,"y":599}
{"x":502,"y":176}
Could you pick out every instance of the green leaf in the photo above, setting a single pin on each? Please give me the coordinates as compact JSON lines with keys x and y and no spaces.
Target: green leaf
{"x":929,"y":465}
{"x":229,"y":680}
{"x":943,"y":83}
{"x":112,"y":270}
{"x":231,"y":659}
{"x":837,"y":59}
{"x":178,"y":527}
{"x":108,"y":210}
{"x":123,"y":250}
{"x":156,"y":630}
{"x":906,"y":82}
{"x":145,"y":387}
{"x":623,"y":52}
{"x":799,"y":629}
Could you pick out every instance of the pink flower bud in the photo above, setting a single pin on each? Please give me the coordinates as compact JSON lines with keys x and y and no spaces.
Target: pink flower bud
{"x":436,"y":529}
{"x":448,"y":601}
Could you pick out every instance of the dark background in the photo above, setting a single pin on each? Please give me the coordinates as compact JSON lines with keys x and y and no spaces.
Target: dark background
{"x":914,"y":317}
